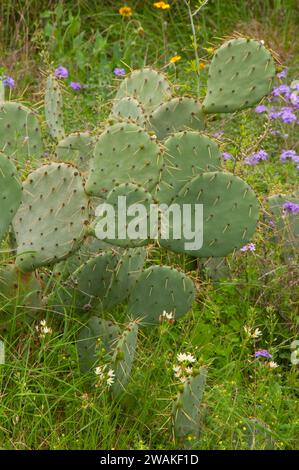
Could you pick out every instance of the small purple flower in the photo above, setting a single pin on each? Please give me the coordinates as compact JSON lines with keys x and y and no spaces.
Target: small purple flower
{"x":61,"y":72}
{"x":261,"y":108}
{"x":76,"y":86}
{"x":287,"y":116}
{"x":281,"y":90}
{"x":294,"y":98}
{"x":256,"y":157}
{"x":8,"y":81}
{"x":295,"y":85}
{"x":218,"y":134}
{"x":248,"y":247}
{"x":291,"y":207}
{"x":286,"y":154}
{"x":282,"y":74}
{"x":227,"y":156}
{"x":263,"y":353}
{"x":119,"y":72}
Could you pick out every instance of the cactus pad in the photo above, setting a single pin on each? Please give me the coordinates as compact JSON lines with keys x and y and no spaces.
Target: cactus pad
{"x":20,"y":136}
{"x":123,"y":357}
{"x":10,"y":193}
{"x":148,"y":86}
{"x":240,"y":74}
{"x":97,"y":333}
{"x":50,"y":223}
{"x":129,"y":109}
{"x":230,"y":214}
{"x":124,"y":152}
{"x":76,"y":148}
{"x":186,"y":155}
{"x":159,"y":289}
{"x":177,"y":115}
{"x":53,"y":108}
{"x":186,"y":410}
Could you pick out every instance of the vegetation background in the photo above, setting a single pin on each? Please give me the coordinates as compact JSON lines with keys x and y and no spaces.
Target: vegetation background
{"x":44,"y":401}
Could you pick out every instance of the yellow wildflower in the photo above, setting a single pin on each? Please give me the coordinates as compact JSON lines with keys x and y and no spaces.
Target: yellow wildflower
{"x":161,"y":5}
{"x":125,"y":11}
{"x":202,"y":65}
{"x":175,"y":59}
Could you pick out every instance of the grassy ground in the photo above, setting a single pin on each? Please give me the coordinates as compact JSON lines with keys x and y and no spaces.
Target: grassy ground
{"x":45,"y":402}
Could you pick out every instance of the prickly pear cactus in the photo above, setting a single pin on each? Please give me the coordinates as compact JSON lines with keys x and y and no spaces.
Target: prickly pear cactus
{"x":130,"y":109}
{"x":10,"y":194}
{"x":159,"y":289}
{"x":76,"y":148}
{"x":240,"y":74}
{"x":138,"y":201}
{"x":20,"y":136}
{"x":98,"y":333}
{"x":186,"y":410}
{"x":230,"y":214}
{"x":54,"y":108}
{"x":147,"y":86}
{"x":177,"y":115}
{"x":187,"y":154}
{"x":51,"y":221}
{"x":124,"y":152}
{"x":123,"y":357}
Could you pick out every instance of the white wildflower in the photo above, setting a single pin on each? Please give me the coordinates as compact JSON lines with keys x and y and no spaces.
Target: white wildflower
{"x":183,"y":357}
{"x":168,"y":316}
{"x":273,"y":365}
{"x":255,"y":334}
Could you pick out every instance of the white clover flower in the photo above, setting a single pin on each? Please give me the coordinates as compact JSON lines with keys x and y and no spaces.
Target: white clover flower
{"x":273,"y":365}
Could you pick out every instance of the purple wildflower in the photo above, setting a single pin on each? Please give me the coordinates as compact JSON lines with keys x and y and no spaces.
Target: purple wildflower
{"x":248,"y":247}
{"x":282,"y":74}
{"x":261,"y":108}
{"x":291,"y":207}
{"x":61,"y":72}
{"x":8,"y":81}
{"x":295,"y":85}
{"x":262,"y":353}
{"x":119,"y":72}
{"x":218,"y":134}
{"x":285,"y":154}
{"x":76,"y":86}
{"x":287,"y":116}
{"x":281,"y":90}
{"x":227,"y":156}
{"x":294,"y":98}
{"x":256,"y":157}
{"x":274,"y":114}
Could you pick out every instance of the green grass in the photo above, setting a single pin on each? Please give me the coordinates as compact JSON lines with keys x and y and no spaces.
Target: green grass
{"x":45,"y":403}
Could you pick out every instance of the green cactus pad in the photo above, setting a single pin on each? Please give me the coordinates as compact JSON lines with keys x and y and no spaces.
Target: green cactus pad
{"x":132,"y":195}
{"x":20,"y":136}
{"x":54,"y":108}
{"x":96,"y":334}
{"x":10,"y":194}
{"x":127,"y":271}
{"x":216,"y":268}
{"x":159,"y":289}
{"x":123,"y":357}
{"x":186,"y":410}
{"x":129,"y":109}
{"x":19,"y":290}
{"x":240,"y":74}
{"x":124,"y":153}
{"x":93,"y":279}
{"x":177,"y":115}
{"x":230,"y":214}
{"x":76,"y":148}
{"x":50,"y":223}
{"x":186,"y":155}
{"x":148,"y":86}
